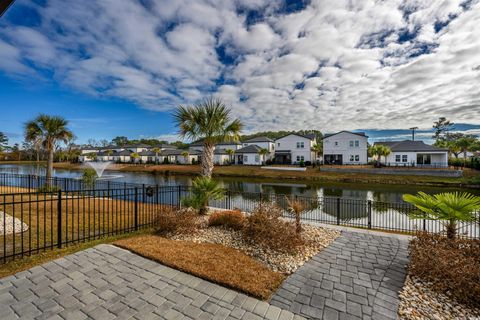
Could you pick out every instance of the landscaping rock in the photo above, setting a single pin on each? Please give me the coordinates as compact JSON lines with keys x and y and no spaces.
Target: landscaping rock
{"x":316,"y":239}
{"x":8,"y":224}
{"x":418,"y":301}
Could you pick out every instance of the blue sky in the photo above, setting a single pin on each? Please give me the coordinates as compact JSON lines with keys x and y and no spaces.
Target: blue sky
{"x":119,"y":67}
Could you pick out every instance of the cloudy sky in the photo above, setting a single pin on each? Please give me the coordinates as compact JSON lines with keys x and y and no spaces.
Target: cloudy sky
{"x":120,"y":66}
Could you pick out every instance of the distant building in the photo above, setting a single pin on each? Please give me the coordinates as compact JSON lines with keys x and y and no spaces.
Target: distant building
{"x":415,"y":153}
{"x":295,"y":148}
{"x":345,"y":147}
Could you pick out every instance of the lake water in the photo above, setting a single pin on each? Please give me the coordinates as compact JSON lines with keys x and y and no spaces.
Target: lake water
{"x":383,"y":193}
{"x":387,"y":210}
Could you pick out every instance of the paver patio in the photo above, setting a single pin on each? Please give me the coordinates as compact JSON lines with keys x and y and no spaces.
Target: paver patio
{"x":107,"y":282}
{"x":358,"y":276}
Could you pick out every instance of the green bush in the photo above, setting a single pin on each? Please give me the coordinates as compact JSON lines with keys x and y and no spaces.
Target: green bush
{"x":47,"y":189}
{"x":89,"y":177}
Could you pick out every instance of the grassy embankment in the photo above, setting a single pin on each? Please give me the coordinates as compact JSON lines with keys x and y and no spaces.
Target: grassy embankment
{"x":311,"y":174}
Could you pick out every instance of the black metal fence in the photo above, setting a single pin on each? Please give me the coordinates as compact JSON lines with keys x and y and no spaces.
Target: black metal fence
{"x":33,"y":221}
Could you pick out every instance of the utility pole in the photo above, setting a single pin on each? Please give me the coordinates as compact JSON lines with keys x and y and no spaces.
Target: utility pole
{"x":413,"y":132}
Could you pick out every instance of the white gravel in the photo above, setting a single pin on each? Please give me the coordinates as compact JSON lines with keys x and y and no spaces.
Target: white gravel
{"x":6,"y":227}
{"x":418,"y":302}
{"x":316,"y":237}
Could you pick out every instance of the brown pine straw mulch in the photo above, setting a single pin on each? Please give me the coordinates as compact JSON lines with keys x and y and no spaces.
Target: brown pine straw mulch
{"x":213,"y":262}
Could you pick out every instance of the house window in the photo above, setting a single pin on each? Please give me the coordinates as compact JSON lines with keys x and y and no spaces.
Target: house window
{"x":404,"y":158}
{"x":257,"y":158}
{"x":278,"y":144}
{"x":300,"y":158}
{"x":351,"y":143}
{"x":357,"y":143}
{"x":336,"y":143}
{"x":351,"y":157}
{"x":245,"y":158}
{"x":397,"y":158}
{"x":300,"y":145}
{"x":357,"y":157}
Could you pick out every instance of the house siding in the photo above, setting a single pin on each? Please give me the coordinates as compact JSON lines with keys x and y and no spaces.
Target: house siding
{"x":340,"y":144}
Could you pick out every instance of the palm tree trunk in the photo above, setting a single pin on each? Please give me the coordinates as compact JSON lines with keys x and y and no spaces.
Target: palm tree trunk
{"x":451,"y":229}
{"x":49,"y":167}
{"x":207,"y":159}
{"x":464,"y":159}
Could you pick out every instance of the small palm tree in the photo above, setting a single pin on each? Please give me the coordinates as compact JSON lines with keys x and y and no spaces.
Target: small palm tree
{"x":49,"y":130}
{"x":384,"y":151}
{"x":263,"y":152}
{"x":157,"y":151}
{"x":135,"y":156}
{"x":185,"y":155}
{"x":448,"y":207}
{"x":230,"y":153}
{"x":297,"y":208}
{"x":204,"y":189}
{"x":109,"y":153}
{"x":208,"y":121}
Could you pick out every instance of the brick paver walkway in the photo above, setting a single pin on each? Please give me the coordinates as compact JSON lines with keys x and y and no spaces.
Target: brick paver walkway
{"x":107,"y":282}
{"x":358,"y":276}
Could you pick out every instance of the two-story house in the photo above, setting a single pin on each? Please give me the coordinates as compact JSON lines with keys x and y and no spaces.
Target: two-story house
{"x":295,"y":148}
{"x":345,"y":147}
{"x":263,"y":143}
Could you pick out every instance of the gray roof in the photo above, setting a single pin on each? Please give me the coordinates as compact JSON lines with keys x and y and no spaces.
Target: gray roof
{"x":199,"y":143}
{"x":138,"y":145}
{"x":147,"y":153}
{"x":220,"y":151}
{"x":409,"y":145}
{"x":178,"y":152}
{"x":362,"y":134}
{"x":124,"y":153}
{"x":259,"y":139}
{"x":310,"y":136}
{"x":249,"y":149}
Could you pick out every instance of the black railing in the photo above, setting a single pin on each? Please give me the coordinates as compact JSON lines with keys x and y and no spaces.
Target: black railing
{"x":33,"y":222}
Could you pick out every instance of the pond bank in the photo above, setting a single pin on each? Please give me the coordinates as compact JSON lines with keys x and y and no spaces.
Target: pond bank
{"x":311,"y":174}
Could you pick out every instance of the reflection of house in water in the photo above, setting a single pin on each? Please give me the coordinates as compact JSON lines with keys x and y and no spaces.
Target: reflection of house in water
{"x":352,"y":204}
{"x":387,"y":196}
{"x":346,"y":193}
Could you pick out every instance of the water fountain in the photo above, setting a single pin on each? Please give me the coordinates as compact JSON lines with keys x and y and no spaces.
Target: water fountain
{"x":100,"y":167}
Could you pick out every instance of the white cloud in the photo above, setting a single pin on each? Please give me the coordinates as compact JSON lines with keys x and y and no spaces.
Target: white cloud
{"x":332,"y":65}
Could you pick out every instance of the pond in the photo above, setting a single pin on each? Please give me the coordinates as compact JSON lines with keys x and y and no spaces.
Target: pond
{"x":386,"y":210}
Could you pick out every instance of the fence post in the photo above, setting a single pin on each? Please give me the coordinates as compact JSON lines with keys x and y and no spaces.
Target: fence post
{"x":29,"y":182}
{"x":425,"y":225}
{"x":369,"y":214}
{"x":136,"y":209}
{"x":143,"y":193}
{"x":338,"y":211}
{"x":229,"y":200}
{"x":59,"y":219}
{"x":179,"y":195}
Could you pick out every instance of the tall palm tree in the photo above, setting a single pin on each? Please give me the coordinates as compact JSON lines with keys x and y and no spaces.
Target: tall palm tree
{"x":157,"y":151}
{"x":48,"y":130}
{"x":449,"y":208}
{"x":263,"y":152}
{"x":230,"y":153}
{"x":208,"y":121}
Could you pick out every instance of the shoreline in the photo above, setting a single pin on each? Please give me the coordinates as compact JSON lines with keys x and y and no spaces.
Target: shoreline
{"x":312,"y":175}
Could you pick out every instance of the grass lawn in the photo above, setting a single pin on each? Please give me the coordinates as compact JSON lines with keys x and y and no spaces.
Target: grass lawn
{"x":213,"y":262}
{"x":28,"y":262}
{"x":83,"y":217}
{"x":311,"y":174}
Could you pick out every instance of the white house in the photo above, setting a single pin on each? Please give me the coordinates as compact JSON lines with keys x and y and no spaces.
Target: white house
{"x":198,"y":145}
{"x":345,"y":147}
{"x":294,"y":148}
{"x":249,"y":155}
{"x":221,"y":157}
{"x":264,"y":143}
{"x":415,"y":153}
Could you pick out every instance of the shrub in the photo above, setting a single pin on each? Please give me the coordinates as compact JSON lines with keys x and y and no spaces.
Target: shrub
{"x":452,"y":266}
{"x":89,"y":177}
{"x":203,"y":190}
{"x":266,"y":228}
{"x":297,"y":207}
{"x":233,"y":219}
{"x":172,"y":220}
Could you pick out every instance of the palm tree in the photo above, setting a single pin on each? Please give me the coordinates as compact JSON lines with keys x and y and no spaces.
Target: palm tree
{"x":384,"y":151}
{"x":448,"y":207}
{"x":157,"y":151}
{"x":185,"y":155}
{"x":49,"y":130}
{"x":135,"y":156}
{"x":208,"y":121}
{"x":109,"y":153}
{"x":203,"y":189}
{"x":230,"y":153}
{"x":374,"y":151}
{"x":318,"y":149}
{"x":263,"y":152}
